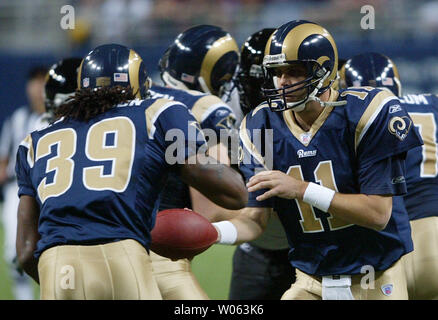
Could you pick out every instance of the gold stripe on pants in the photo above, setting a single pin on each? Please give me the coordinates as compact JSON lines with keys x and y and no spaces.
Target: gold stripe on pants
{"x":113,"y":271}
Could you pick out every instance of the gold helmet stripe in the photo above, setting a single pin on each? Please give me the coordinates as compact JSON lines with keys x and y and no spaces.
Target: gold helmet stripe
{"x":295,"y":38}
{"x":297,"y":35}
{"x":79,"y":75}
{"x":396,"y":77}
{"x":268,"y":44}
{"x":394,"y":67}
{"x":134,"y":67}
{"x":218,"y":49}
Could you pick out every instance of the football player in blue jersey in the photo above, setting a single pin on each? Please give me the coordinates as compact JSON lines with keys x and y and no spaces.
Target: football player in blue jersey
{"x":333,"y":170}
{"x":89,"y":181}
{"x":421,"y":265}
{"x":261,"y":269}
{"x":202,"y":58}
{"x":195,"y":68}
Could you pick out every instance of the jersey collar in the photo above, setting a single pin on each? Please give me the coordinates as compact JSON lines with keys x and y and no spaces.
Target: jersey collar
{"x":305,"y":137}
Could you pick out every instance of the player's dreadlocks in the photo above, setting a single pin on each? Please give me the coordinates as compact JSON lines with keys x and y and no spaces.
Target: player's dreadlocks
{"x":88,"y":103}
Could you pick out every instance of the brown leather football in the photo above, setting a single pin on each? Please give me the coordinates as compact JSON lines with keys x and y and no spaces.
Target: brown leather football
{"x":181,"y":233}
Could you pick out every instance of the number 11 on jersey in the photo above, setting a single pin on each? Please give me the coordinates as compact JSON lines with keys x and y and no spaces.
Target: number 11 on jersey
{"x":310,"y":223}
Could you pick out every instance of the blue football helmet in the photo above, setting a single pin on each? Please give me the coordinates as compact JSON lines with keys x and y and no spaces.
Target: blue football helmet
{"x":202,"y":58}
{"x":371,"y":69}
{"x":309,"y":46}
{"x":112,"y":65}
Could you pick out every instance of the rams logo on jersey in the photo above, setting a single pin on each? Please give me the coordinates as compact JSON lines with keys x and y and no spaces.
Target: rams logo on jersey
{"x":400,"y":126}
{"x":227,"y":122}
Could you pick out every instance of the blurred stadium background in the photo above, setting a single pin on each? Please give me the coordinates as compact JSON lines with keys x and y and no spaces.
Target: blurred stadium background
{"x":31,"y":34}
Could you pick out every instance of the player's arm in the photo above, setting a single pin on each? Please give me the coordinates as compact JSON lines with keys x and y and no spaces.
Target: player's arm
{"x":202,"y":204}
{"x":28,"y":211}
{"x":370,"y":211}
{"x":27,"y":235}
{"x":218,"y":182}
{"x":251,"y":221}
{"x":215,"y":117}
{"x":381,"y":141}
{"x":248,"y":225}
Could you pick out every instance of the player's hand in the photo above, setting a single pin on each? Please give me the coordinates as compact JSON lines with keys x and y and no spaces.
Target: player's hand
{"x":279,"y":185}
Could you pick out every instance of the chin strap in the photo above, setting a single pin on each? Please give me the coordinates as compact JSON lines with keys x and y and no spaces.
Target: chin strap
{"x":203,"y":85}
{"x":298,"y":107}
{"x":172,"y":82}
{"x":313,"y":97}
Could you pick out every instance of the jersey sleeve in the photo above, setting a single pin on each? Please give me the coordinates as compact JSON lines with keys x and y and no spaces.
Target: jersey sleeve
{"x":386,"y":176}
{"x":213,"y":113}
{"x":385,"y":129}
{"x":23,"y":166}
{"x":175,"y":129}
{"x":251,"y":160}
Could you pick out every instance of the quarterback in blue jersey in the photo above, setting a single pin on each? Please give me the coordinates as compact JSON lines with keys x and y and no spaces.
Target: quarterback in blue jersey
{"x":333,"y":170}
{"x":89,"y":182}
{"x":261,"y":269}
{"x":196,"y":77}
{"x":421,"y":265}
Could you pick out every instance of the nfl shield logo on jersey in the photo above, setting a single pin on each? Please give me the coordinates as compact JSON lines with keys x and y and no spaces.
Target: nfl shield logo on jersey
{"x":305,"y":137}
{"x":387,"y":289}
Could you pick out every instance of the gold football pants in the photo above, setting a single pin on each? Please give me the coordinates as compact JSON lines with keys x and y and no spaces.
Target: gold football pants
{"x":363,"y":287}
{"x":175,"y":279}
{"x":421,"y":265}
{"x":113,"y":271}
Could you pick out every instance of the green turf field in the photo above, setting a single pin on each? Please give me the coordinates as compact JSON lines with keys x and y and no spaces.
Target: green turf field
{"x":212,"y":268}
{"x":5,"y":282}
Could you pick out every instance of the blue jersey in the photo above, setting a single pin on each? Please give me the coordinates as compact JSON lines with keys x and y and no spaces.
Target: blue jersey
{"x":421,"y":164}
{"x":212,"y":113}
{"x":97,"y":182}
{"x":355,"y":148}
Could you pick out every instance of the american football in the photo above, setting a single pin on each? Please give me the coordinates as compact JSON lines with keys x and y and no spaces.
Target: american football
{"x":181,"y":233}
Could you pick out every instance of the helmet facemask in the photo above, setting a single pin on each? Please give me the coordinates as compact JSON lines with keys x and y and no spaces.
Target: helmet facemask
{"x":53,"y":104}
{"x":314,"y":76}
